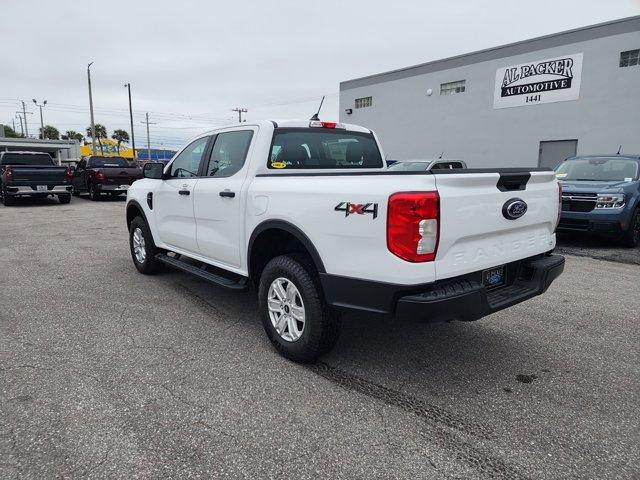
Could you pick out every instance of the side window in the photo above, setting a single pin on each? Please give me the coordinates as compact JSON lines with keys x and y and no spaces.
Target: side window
{"x":187,"y":162}
{"x":229,"y":153}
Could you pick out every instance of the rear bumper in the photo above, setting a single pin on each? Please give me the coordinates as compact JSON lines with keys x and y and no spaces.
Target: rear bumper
{"x":102,"y":188}
{"x":29,"y":190}
{"x":459,"y":298}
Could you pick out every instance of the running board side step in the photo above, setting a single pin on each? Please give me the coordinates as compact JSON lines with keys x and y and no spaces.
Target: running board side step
{"x":202,"y":272}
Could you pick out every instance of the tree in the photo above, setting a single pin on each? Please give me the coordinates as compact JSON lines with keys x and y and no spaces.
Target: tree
{"x":101,"y":132}
{"x":72,"y":135}
{"x":9,"y":132}
{"x":120,"y":136}
{"x":49,"y":132}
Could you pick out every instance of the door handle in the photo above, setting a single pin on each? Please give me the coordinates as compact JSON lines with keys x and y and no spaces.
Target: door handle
{"x":184,"y":192}
{"x":227,"y":193}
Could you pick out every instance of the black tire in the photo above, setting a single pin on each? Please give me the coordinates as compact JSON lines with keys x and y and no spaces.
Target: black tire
{"x":7,"y":200}
{"x":321,"y":325}
{"x":94,"y":194}
{"x":64,"y":198}
{"x":149,"y":265}
{"x":631,"y":238}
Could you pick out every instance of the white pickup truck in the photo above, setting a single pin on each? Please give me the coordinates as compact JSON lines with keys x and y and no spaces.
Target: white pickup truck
{"x":308,"y":213}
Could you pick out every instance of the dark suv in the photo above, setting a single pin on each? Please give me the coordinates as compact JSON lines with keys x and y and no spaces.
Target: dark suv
{"x":601,"y":194}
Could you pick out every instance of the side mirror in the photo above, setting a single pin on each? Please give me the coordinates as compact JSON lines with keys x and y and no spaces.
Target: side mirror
{"x":154,"y":170}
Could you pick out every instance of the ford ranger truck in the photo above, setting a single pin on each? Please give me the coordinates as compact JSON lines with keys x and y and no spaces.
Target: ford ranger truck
{"x":308,"y":213}
{"x":32,"y":174}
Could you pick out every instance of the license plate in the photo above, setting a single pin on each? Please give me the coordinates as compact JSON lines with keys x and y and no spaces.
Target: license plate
{"x":123,"y":187}
{"x":41,"y":188}
{"x":493,"y":277}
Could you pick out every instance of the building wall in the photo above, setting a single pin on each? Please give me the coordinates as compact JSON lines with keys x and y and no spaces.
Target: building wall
{"x":411,"y":124}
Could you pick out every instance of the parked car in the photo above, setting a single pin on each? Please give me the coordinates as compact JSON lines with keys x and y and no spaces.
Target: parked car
{"x":426,"y":165}
{"x":32,"y":174}
{"x":601,"y":195}
{"x":104,"y":175}
{"x":308,"y":212}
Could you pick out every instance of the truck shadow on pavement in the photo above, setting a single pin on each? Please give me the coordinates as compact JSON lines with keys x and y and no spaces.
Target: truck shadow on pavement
{"x":459,"y":356}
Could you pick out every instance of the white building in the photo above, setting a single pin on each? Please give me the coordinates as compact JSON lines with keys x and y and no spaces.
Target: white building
{"x":529,"y":103}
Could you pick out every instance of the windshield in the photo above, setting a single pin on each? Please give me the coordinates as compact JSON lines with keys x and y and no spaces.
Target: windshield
{"x":108,"y":162}
{"x":26,"y":159}
{"x":409,"y":166}
{"x":323,"y":148}
{"x":598,"y":169}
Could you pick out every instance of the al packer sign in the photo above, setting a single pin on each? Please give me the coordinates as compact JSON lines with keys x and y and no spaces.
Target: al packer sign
{"x":540,"y":81}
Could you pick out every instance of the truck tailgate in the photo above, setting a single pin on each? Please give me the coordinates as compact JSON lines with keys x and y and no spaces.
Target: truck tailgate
{"x":38,"y":175}
{"x":475,"y":234}
{"x":121,"y":175}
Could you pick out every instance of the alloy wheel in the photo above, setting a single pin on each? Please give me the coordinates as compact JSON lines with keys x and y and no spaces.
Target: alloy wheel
{"x":139,"y":248}
{"x":286,"y":309}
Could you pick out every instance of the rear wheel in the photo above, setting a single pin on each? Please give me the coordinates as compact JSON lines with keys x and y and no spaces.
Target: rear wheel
{"x":631,"y":237}
{"x":64,"y":198}
{"x":296,"y":319}
{"x":7,"y":200}
{"x":143,"y":250}
{"x":94,"y":194}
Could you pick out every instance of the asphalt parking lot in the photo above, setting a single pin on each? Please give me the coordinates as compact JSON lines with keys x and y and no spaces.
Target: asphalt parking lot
{"x":108,"y":373}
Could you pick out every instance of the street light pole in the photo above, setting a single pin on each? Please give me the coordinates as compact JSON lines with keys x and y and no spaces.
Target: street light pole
{"x":41,"y":121}
{"x":133,"y":137}
{"x":93,"y":125}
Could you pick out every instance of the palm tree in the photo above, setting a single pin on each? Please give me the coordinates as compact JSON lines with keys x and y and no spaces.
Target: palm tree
{"x":49,"y":132}
{"x":72,"y":135}
{"x":101,"y":132}
{"x":120,"y":136}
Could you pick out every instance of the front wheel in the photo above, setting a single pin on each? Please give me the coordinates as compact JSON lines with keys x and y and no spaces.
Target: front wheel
{"x":143,"y":250}
{"x":631,"y":237}
{"x":296,"y":319}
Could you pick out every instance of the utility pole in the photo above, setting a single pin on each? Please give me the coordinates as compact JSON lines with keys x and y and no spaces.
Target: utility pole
{"x":148,"y":141}
{"x":93,"y":124}
{"x":24,"y":112}
{"x":240,"y":112}
{"x":133,"y":138}
{"x":41,"y":121}
{"x":21,"y":127}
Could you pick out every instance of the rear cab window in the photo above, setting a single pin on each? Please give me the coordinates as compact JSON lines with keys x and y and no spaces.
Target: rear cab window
{"x":26,"y":159}
{"x":323,"y":148}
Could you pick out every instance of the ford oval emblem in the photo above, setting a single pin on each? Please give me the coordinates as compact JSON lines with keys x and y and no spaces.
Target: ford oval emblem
{"x":514,"y":208}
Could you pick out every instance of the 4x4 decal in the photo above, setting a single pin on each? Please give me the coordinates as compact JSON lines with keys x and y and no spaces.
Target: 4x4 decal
{"x":357,"y":208}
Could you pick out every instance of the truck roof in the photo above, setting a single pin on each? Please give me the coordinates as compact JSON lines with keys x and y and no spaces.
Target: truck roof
{"x":291,"y":124}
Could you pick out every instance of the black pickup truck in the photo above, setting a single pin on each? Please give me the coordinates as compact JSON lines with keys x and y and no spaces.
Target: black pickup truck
{"x":32,"y":174}
{"x":97,"y":175}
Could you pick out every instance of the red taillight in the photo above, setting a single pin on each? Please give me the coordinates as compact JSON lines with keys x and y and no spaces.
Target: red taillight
{"x":413,"y":225}
{"x":559,"y":204}
{"x":69,"y":174}
{"x":100,"y":177}
{"x":8,"y":174}
{"x":329,"y":124}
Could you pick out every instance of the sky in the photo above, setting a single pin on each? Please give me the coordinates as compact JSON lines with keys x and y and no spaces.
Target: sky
{"x":191,"y":62}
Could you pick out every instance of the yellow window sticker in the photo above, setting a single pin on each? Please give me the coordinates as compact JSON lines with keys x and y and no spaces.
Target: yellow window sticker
{"x":278,"y":164}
